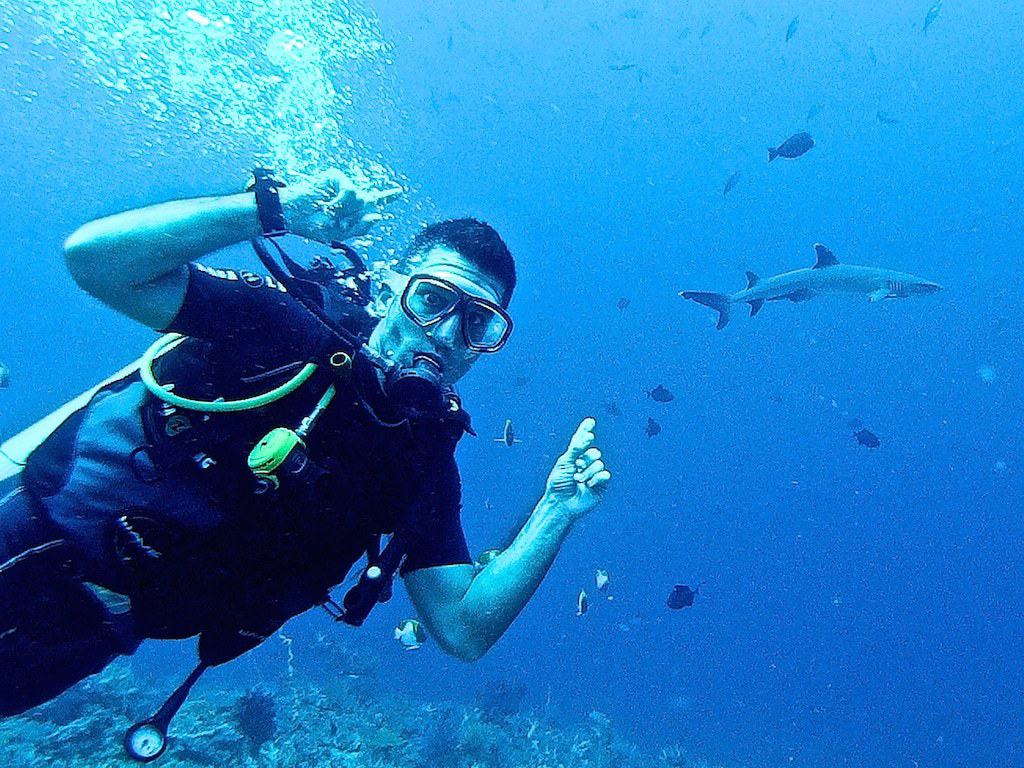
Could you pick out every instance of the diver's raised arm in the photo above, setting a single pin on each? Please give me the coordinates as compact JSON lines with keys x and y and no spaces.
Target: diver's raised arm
{"x":136,"y":261}
{"x":467,"y":611}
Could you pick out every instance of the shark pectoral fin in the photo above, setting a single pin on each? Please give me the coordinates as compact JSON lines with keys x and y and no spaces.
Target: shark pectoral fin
{"x":797,"y":296}
{"x":755,"y":306}
{"x":878,"y":295}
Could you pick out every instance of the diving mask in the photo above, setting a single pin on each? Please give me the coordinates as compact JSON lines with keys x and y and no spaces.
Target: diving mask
{"x":429,"y":300}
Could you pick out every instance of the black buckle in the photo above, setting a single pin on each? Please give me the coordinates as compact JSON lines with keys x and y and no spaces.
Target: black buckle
{"x":334,"y":610}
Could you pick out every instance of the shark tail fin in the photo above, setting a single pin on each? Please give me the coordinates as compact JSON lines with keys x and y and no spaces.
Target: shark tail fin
{"x":772,"y":153}
{"x":717,"y":301}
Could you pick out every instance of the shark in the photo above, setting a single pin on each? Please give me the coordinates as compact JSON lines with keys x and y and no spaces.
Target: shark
{"x":827,"y":276}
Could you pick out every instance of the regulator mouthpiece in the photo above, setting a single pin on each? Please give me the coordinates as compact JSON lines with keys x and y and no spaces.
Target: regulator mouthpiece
{"x":417,"y":388}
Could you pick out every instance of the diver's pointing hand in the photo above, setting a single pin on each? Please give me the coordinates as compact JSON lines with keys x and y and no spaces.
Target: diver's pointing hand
{"x":579,"y":478}
{"x":330,"y":207}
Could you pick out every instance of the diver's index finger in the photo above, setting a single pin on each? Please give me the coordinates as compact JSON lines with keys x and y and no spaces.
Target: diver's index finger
{"x":383,"y":195}
{"x":583,"y":437}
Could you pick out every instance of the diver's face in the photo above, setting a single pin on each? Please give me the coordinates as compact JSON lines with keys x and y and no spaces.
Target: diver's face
{"x":401,"y":339}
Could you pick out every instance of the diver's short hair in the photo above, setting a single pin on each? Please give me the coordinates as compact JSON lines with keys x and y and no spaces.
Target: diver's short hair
{"x":477,"y":242}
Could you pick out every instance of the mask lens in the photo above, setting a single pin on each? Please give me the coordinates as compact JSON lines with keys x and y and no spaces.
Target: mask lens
{"x":486,"y":329}
{"x":427,"y":301}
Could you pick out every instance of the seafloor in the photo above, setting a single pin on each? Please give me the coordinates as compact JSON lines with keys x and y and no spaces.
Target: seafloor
{"x":353,"y":723}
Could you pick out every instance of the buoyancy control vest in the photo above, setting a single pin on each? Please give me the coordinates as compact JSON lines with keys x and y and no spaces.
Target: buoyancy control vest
{"x":160,"y":504}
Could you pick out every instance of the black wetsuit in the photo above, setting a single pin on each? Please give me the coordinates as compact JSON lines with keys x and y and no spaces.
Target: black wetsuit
{"x":158,"y":504}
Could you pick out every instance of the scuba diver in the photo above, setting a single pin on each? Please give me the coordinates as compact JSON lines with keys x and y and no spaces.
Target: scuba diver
{"x":273,"y":437}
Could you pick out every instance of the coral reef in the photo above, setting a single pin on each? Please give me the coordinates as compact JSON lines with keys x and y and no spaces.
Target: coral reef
{"x":256,"y":718}
{"x":498,"y":700}
{"x":310,"y":722}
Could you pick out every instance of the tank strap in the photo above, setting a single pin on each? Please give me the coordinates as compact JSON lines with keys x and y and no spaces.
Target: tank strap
{"x":375,"y":585}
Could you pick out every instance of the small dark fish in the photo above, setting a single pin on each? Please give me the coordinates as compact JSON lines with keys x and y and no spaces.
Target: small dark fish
{"x":933,"y":14}
{"x":813,"y":112}
{"x":653,"y":427}
{"x":867,"y":438}
{"x":622,"y":304}
{"x":681,"y":597}
{"x":796,"y":145}
{"x":794,"y":25}
{"x":706,"y":31}
{"x":5,"y":376}
{"x":885,"y":119}
{"x":632,"y":13}
{"x":872,"y":56}
{"x":451,"y":40}
{"x":621,"y":67}
{"x":612,"y":408}
{"x":731,"y":183}
{"x":661,"y":395}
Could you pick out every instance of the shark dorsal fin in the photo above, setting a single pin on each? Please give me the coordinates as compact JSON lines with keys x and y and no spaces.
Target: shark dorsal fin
{"x":825,"y":257}
{"x":752,"y":279}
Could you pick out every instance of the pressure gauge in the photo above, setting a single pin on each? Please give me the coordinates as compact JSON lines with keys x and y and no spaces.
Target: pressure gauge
{"x":145,"y":742}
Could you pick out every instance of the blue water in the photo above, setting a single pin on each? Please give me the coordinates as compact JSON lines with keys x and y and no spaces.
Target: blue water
{"x":858,"y":607}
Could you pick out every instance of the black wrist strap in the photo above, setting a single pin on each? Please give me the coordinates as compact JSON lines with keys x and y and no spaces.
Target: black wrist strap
{"x":268,"y":202}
